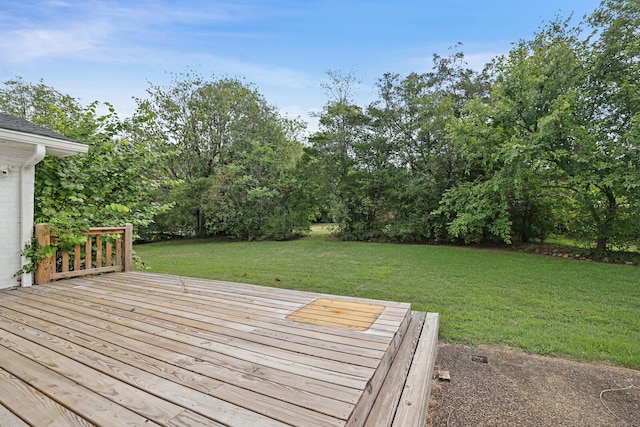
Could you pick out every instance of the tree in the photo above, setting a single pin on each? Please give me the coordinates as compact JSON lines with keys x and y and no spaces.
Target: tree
{"x":558,"y":135}
{"x":411,"y":122}
{"x":231,"y":156}
{"x":502,"y":137}
{"x":260,"y":195}
{"x":343,"y":126}
{"x":387,"y":166}
{"x":612,"y":128}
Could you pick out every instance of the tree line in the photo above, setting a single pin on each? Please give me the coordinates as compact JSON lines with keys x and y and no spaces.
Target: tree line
{"x":544,"y":140}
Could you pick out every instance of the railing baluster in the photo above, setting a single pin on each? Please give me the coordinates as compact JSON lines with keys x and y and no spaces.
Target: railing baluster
{"x":119,"y":251}
{"x":46,"y":267}
{"x":108,"y":253}
{"x":88,"y":253}
{"x":98,"y":250}
{"x":65,"y":261}
{"x":128,"y":248}
{"x":77,"y":257}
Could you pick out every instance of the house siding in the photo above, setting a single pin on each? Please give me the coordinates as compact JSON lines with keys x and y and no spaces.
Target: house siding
{"x":11,"y":159}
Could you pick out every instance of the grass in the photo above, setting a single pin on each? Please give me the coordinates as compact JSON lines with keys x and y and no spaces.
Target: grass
{"x":583,"y":310}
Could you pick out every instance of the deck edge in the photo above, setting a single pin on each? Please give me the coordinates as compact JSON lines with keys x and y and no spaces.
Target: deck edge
{"x":414,"y":402}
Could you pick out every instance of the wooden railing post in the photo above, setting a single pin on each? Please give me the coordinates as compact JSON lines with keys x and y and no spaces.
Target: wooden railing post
{"x":46,"y":267}
{"x":128,"y":248}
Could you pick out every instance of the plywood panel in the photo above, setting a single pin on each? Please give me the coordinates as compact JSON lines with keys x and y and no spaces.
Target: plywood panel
{"x":358,"y":316}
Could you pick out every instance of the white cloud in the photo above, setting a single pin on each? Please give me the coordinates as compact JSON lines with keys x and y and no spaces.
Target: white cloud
{"x":107,"y":50}
{"x":97,"y":29}
{"x":27,"y":45}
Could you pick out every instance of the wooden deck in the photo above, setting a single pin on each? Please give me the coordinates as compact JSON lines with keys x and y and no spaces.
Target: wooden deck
{"x":140,"y":349}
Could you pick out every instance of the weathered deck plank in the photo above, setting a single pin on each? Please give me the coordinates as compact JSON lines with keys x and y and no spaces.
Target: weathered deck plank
{"x":219,"y":321}
{"x":57,"y":387}
{"x":150,"y":359}
{"x":202,"y":319}
{"x":9,"y":419}
{"x":257,"y":296}
{"x":272,"y":304}
{"x":248,"y":317}
{"x":141,"y":349}
{"x":178,"y":391}
{"x":146,"y":329}
{"x":184,"y":354}
{"x":20,"y":397}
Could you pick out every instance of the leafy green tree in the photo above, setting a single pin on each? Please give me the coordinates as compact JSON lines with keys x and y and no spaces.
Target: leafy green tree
{"x":342,"y":127}
{"x":501,"y":138}
{"x":558,"y":137}
{"x":412,"y":120}
{"x":387,"y":166}
{"x":231,"y":156}
{"x":611,"y":129}
{"x":260,"y":195}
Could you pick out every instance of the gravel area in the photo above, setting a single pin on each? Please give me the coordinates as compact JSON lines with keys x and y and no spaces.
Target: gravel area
{"x":491,"y":386}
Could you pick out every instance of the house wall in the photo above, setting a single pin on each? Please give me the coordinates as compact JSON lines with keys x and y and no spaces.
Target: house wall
{"x":11,"y":160}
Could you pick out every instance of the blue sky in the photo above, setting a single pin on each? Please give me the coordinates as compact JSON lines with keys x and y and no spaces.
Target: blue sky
{"x":111,"y":50}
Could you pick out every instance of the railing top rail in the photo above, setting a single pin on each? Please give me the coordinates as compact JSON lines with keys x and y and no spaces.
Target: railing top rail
{"x":99,"y":230}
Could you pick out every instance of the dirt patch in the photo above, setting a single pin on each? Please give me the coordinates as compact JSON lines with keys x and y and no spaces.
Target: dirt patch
{"x":517,"y":389}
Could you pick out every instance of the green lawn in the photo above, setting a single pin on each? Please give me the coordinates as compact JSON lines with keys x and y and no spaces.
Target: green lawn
{"x":545,"y":305}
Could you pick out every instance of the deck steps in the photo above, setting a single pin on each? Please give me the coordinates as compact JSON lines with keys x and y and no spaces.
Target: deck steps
{"x":403,"y":397}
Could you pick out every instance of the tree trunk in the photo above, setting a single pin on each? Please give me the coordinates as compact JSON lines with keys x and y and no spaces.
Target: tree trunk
{"x":605,"y":229}
{"x":601,"y":247}
{"x":199,"y":226}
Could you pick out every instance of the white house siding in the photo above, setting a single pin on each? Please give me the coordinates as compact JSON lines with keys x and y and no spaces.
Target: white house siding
{"x":11,"y":160}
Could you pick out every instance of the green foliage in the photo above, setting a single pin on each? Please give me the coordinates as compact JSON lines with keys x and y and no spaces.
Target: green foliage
{"x":108,"y":186}
{"x":36,"y":254}
{"x":233,"y":160}
{"x":386,"y":167}
{"x":65,"y":240}
{"x":544,"y":140}
{"x":260,"y":195}
{"x":46,"y":107}
{"x":481,"y":210}
{"x":556,"y":143}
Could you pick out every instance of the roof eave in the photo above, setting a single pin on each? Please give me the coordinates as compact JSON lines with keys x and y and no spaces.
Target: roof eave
{"x":55,"y":147}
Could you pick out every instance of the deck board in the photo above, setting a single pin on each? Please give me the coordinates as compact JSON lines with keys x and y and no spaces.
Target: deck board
{"x":220,"y":319}
{"x":36,"y":408}
{"x":247,"y":316}
{"x":141,"y":324}
{"x":10,"y":419}
{"x":173,"y":326}
{"x":148,"y":349}
{"x":415,"y":394}
{"x":78,"y":398}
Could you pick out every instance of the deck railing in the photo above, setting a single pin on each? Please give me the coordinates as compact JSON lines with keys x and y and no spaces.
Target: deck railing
{"x":106,"y":249}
